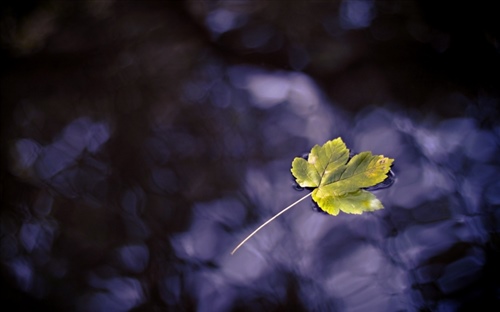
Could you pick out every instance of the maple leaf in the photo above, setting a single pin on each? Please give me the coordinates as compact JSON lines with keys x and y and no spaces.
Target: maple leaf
{"x":338,"y":182}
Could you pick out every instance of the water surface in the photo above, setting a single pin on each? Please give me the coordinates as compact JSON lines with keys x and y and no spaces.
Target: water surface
{"x":144,"y":140}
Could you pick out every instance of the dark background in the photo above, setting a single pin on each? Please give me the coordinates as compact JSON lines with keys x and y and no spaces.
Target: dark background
{"x":142,"y":140}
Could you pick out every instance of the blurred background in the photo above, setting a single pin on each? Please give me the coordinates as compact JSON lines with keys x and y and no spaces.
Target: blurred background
{"x":143,"y":140}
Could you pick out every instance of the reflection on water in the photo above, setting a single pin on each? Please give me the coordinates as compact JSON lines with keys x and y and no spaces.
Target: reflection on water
{"x":134,"y":169}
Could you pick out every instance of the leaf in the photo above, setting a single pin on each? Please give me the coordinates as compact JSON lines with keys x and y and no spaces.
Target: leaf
{"x":338,"y":181}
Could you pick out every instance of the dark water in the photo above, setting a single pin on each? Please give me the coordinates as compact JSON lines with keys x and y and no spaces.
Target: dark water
{"x":141,"y":141}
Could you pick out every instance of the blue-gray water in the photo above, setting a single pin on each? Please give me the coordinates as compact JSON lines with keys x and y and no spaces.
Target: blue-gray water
{"x":142,"y":141}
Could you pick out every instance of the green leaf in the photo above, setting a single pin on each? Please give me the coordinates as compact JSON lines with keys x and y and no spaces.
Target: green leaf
{"x":338,"y":182}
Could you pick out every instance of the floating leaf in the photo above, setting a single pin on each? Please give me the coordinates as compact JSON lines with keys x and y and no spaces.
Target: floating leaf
{"x":338,"y":182}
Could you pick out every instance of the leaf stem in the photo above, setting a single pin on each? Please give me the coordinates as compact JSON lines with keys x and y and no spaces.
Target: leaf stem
{"x":268,"y":221}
